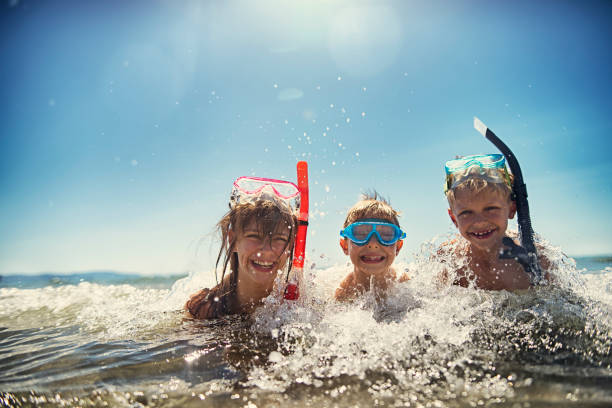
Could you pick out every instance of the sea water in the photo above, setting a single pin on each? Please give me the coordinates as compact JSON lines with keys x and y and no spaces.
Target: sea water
{"x":107,"y":339}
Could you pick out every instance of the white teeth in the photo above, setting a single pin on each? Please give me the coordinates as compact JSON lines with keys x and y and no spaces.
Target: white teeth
{"x":480,"y":234}
{"x":264,"y":264}
{"x":372,"y":258}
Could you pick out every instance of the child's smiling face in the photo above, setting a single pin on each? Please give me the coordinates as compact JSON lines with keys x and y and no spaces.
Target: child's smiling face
{"x":482,"y":218}
{"x":372,"y":258}
{"x":260,"y":255}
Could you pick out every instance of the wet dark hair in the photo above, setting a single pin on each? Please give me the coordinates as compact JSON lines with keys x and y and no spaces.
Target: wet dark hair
{"x":268,"y":215}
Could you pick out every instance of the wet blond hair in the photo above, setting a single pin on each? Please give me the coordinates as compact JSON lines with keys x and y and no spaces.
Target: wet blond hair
{"x":476,"y":185}
{"x":372,"y":205}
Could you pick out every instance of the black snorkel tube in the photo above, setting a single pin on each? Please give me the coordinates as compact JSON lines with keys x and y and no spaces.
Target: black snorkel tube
{"x":526,"y":254}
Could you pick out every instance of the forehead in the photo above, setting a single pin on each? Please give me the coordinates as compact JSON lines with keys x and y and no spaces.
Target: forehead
{"x":466,"y":198}
{"x":281,"y":227}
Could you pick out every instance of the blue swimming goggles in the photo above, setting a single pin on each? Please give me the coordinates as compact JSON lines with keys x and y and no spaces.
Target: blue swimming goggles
{"x":360,"y":232}
{"x":491,"y":167}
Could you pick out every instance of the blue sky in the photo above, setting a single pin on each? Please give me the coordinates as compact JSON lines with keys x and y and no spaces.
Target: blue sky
{"x":125,"y":123}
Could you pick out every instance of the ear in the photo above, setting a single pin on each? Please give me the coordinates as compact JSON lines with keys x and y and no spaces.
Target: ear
{"x":399,"y":246}
{"x":512,"y":210}
{"x":452,"y":217}
{"x":344,"y":245}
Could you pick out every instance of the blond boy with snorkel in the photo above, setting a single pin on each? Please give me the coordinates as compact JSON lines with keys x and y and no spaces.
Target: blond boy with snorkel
{"x":482,"y":197}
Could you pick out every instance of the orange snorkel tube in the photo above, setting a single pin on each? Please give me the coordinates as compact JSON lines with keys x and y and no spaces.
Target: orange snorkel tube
{"x":292,"y":291}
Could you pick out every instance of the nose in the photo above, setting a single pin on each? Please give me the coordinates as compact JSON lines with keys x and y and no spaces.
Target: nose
{"x":373,"y":242}
{"x":478,"y":217}
{"x":266,"y":244}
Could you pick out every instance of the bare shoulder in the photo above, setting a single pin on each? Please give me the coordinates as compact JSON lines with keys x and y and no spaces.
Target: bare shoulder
{"x":447,"y":251}
{"x":346,"y":290}
{"x":545,"y":263}
{"x":447,"y":247}
{"x":404,"y":277}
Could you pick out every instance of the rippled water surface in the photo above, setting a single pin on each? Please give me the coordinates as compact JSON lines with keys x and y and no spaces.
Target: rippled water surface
{"x":116,"y":340}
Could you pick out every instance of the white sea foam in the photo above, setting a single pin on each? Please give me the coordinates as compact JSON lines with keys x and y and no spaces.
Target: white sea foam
{"x":424,"y":330}
{"x":422,"y":338}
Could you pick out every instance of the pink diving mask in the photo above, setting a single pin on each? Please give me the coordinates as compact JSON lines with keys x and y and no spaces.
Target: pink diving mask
{"x":251,"y":189}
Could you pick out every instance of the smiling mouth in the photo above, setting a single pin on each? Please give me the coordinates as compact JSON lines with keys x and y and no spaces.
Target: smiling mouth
{"x":262,"y":266}
{"x":372,"y":259}
{"x":483,"y":234}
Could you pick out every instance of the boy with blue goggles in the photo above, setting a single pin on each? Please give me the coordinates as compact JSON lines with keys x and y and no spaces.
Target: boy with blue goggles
{"x":372,"y":239}
{"x":361,"y":232}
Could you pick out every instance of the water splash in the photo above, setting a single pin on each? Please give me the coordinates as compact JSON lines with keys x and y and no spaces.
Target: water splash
{"x":423,"y":344}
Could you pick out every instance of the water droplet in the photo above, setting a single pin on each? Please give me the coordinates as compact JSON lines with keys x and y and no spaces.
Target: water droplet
{"x":275,"y":357}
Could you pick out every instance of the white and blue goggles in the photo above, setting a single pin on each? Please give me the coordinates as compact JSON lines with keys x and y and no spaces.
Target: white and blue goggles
{"x":491,"y":167}
{"x":360,"y":232}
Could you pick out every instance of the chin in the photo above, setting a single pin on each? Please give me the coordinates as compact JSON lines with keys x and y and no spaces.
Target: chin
{"x":377,"y":271}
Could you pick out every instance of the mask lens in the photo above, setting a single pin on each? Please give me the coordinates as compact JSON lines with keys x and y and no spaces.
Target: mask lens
{"x":481,"y":160}
{"x":284,"y":189}
{"x":249,"y":186}
{"x":387,"y":232}
{"x":454,"y":165}
{"x":361,"y":231}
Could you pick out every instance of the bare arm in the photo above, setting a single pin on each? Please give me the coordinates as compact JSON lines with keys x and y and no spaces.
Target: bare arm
{"x":198,"y":305}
